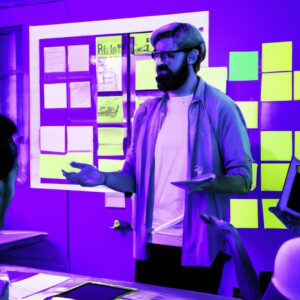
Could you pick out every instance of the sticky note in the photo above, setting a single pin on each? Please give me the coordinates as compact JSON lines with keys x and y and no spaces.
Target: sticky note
{"x":109,"y":46}
{"x":110,"y":140}
{"x":80,"y":94}
{"x":276,"y":86}
{"x":54,"y":59}
{"x":78,"y":58}
{"x":276,"y":145}
{"x":297,"y":85}
{"x":55,"y":95}
{"x":52,"y":138}
{"x":110,"y":109}
{"x":254,"y":176}
{"x":145,"y":73}
{"x":142,"y":43}
{"x":82,"y":157}
{"x":216,"y":77}
{"x":297,"y":144}
{"x":80,"y":138}
{"x":277,"y":57}
{"x":244,"y":213}
{"x":51,"y":166}
{"x":250,"y":112}
{"x":243,"y":66}
{"x":270,"y":220}
{"x":273,"y":176}
{"x":110,"y":165}
{"x":109,"y":74}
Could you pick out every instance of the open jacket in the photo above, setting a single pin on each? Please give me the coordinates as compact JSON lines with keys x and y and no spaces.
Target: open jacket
{"x":217,"y":143}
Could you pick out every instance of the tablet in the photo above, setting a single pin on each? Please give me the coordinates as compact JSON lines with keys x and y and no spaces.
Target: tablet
{"x":94,"y":291}
{"x":195,"y":183}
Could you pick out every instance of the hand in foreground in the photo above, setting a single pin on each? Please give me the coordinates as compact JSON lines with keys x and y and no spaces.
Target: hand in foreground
{"x":88,"y":175}
{"x":220,"y":225}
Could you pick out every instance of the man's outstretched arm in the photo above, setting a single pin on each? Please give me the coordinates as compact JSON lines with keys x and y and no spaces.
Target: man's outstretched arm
{"x":91,"y":176}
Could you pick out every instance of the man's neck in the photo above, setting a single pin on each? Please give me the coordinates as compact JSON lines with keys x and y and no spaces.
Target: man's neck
{"x":187,"y":88}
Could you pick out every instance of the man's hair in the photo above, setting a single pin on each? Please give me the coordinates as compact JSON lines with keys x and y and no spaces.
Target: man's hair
{"x":185,"y":35}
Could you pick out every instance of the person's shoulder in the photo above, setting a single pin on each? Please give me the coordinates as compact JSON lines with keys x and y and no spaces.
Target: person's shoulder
{"x":215,"y":97}
{"x":147,"y":105}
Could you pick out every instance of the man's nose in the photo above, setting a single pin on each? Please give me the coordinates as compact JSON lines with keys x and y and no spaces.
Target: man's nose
{"x":159,"y":61}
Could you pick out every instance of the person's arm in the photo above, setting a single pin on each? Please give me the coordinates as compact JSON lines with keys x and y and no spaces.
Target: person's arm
{"x":246,"y":276}
{"x":91,"y":176}
{"x":229,"y":184}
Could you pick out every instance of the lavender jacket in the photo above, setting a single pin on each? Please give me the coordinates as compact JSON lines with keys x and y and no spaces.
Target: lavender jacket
{"x":217,"y":143}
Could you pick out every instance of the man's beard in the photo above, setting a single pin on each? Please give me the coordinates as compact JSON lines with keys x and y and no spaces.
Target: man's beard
{"x":171,"y":81}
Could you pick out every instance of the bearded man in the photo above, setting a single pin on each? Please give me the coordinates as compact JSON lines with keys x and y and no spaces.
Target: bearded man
{"x":193,"y":132}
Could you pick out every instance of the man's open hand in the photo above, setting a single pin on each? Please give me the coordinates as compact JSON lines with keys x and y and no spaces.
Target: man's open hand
{"x":88,"y":175}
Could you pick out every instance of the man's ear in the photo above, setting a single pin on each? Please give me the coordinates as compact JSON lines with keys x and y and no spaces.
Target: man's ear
{"x":192,"y":56}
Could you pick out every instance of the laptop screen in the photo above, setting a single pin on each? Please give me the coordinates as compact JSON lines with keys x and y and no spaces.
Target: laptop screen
{"x":294,"y":198}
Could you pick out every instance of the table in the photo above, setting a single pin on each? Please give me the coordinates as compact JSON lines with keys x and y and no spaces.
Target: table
{"x":13,"y":239}
{"x":144,"y":292}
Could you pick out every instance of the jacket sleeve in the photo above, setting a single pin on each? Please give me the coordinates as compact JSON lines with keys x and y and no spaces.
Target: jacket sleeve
{"x":234,"y":144}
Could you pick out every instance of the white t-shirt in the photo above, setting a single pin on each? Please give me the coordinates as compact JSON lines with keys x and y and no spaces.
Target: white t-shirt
{"x":171,"y":153}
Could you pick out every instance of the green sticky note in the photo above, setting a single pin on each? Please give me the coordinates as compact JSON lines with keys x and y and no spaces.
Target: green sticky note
{"x":142,"y":44}
{"x":244,"y":213}
{"x":297,"y":144}
{"x":109,"y":46}
{"x":270,"y":220}
{"x":276,"y":145}
{"x":110,"y":140}
{"x":273,"y":176}
{"x":297,"y":85}
{"x":110,"y":110}
{"x":276,"y":86}
{"x":250,"y":112}
{"x":145,"y":74}
{"x":243,"y":66}
{"x":51,"y":166}
{"x":277,"y":57}
{"x":217,"y":77}
{"x":254,"y":176}
{"x":110,"y":165}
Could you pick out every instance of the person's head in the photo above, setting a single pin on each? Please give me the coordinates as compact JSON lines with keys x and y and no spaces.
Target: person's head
{"x":7,"y":128}
{"x":8,"y":148}
{"x":179,"y":50}
{"x":286,"y":276}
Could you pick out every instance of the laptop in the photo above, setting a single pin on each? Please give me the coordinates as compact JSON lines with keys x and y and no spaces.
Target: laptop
{"x":288,"y":207}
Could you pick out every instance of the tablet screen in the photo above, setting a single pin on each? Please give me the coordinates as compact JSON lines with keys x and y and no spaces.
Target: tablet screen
{"x":94,"y":291}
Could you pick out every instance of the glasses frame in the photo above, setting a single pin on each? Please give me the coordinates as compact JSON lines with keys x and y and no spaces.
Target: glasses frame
{"x":163,"y":55}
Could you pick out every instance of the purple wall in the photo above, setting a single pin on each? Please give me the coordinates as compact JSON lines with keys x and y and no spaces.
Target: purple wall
{"x":234,"y":26}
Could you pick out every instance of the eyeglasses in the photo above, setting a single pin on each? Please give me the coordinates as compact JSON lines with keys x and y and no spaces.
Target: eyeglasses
{"x":168,"y":55}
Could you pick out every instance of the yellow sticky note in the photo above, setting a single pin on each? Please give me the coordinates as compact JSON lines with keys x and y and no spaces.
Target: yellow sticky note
{"x":297,"y":85}
{"x":109,"y":46}
{"x":297,"y":144}
{"x":145,"y":74}
{"x":273,"y":176}
{"x":270,"y":220}
{"x":254,"y":176}
{"x":277,"y":57}
{"x":110,"y":109}
{"x":276,"y":86}
{"x":110,"y":141}
{"x":142,"y":43}
{"x":110,"y":165}
{"x":51,"y":166}
{"x":276,"y":145}
{"x":217,"y":77}
{"x":250,"y":112}
{"x":244,"y":213}
{"x":81,"y":157}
